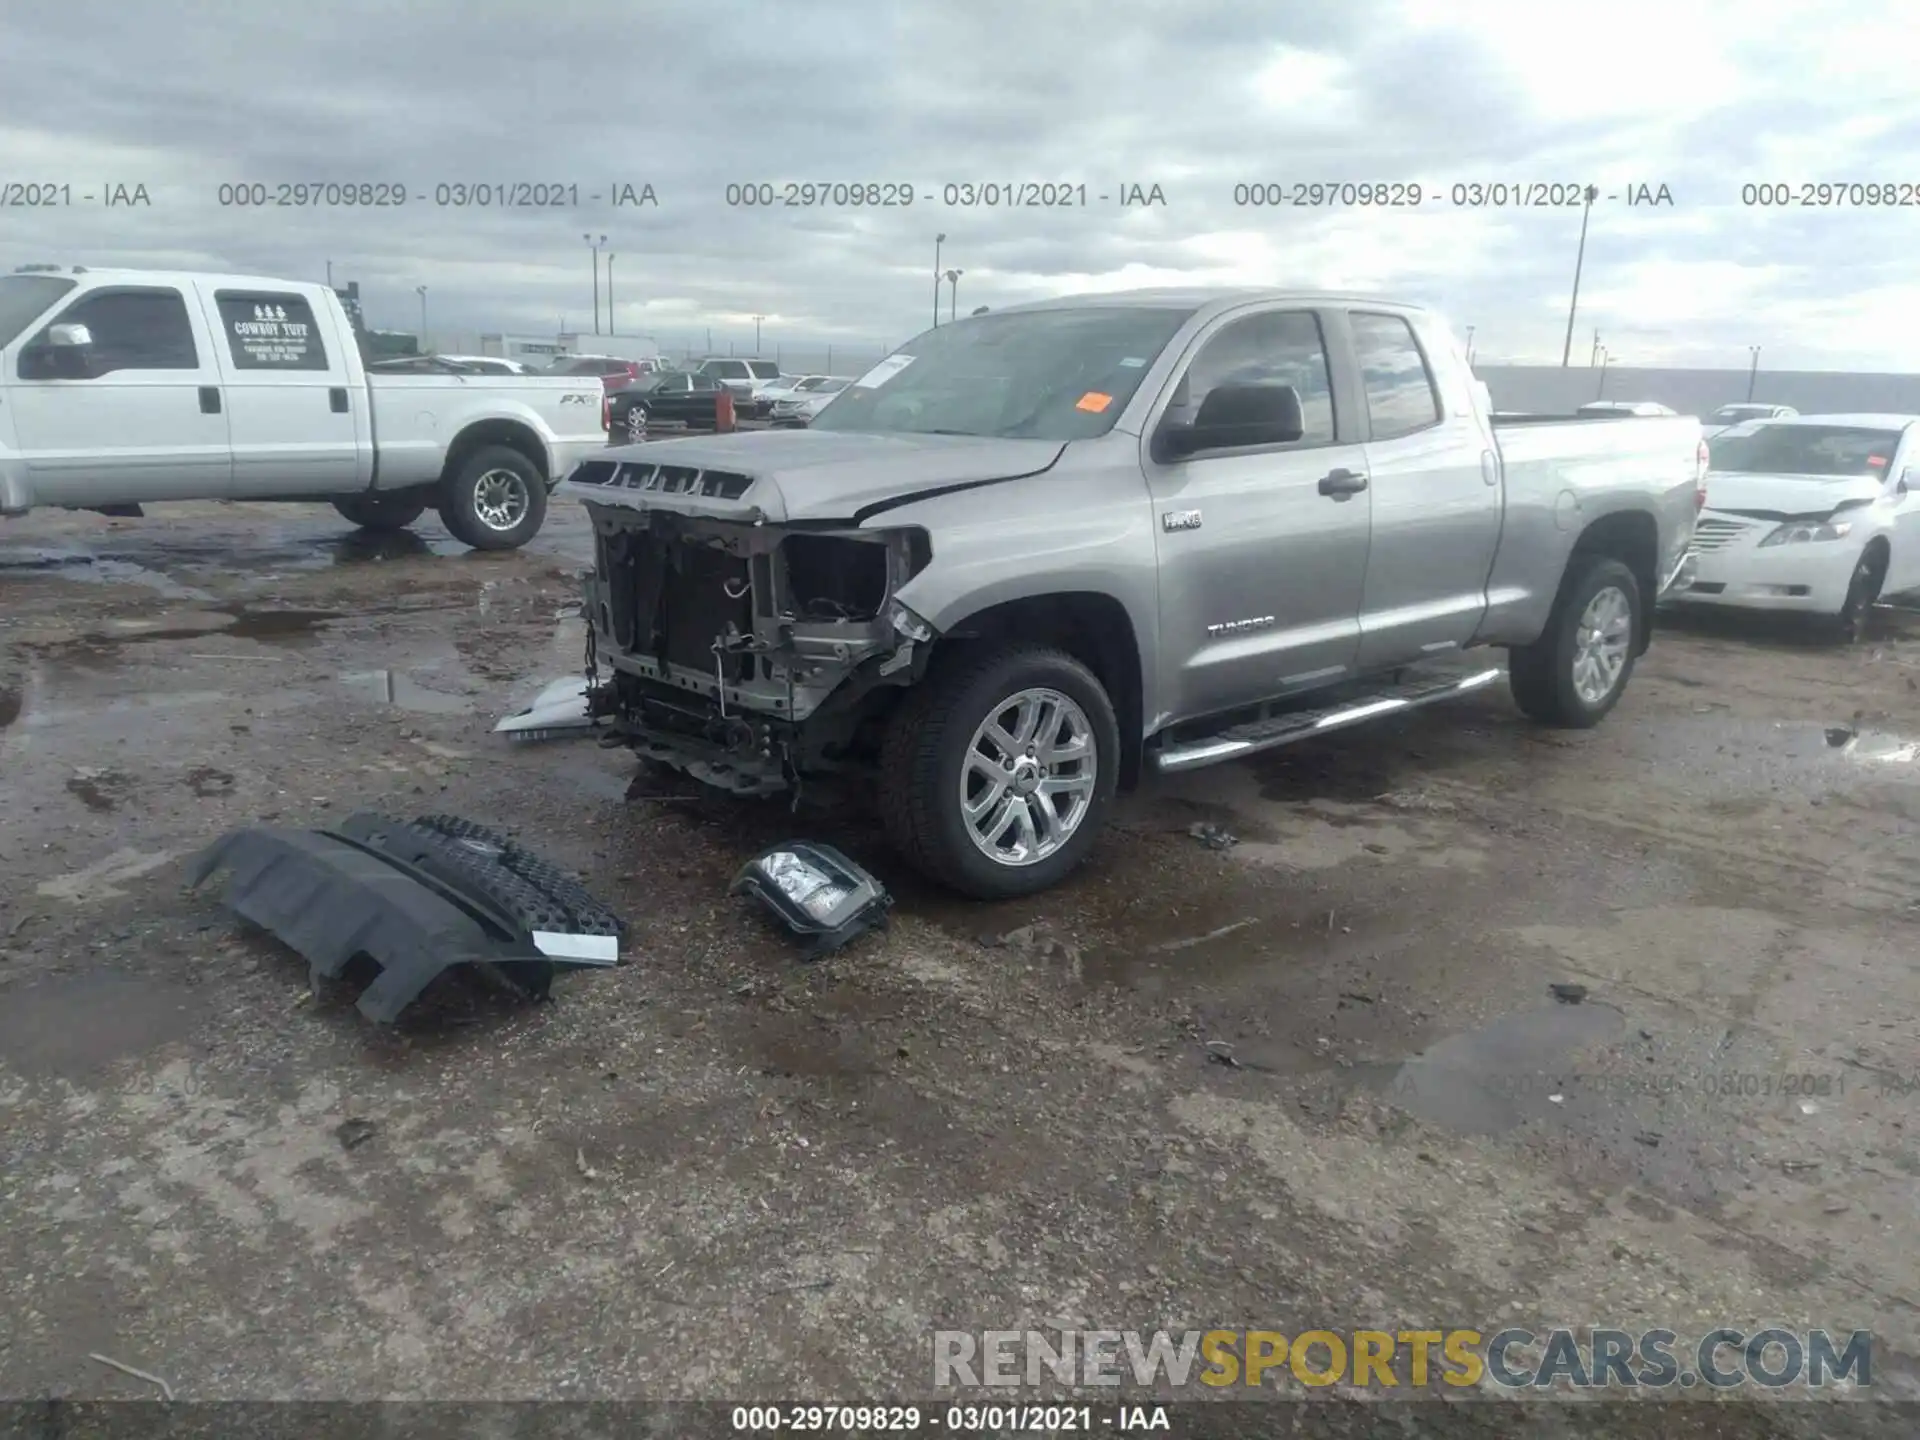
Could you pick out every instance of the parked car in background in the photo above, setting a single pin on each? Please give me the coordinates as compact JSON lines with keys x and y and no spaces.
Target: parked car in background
{"x":1812,"y":513}
{"x":1728,"y":416}
{"x":612,"y":370}
{"x":492,"y":365}
{"x":746,"y":379}
{"x":1625,"y":407}
{"x":796,"y":411}
{"x":669,"y":400}
{"x":786,"y":387}
{"x":1036,"y":553}
{"x":124,"y":387}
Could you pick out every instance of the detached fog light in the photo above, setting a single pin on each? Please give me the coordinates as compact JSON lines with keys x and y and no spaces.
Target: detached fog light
{"x":817,"y":893}
{"x":908,"y":623}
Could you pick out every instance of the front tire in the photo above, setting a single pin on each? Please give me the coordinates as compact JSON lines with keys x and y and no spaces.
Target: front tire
{"x":636,"y":424}
{"x":1578,"y":669}
{"x":380,"y":512}
{"x":997,"y":772}
{"x":1862,"y":590}
{"x":495,"y":500}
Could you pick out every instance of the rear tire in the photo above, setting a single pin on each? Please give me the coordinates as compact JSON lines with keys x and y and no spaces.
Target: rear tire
{"x":1572,"y":676}
{"x":495,"y":500}
{"x":380,"y":512}
{"x":636,"y":425}
{"x":931,"y":756}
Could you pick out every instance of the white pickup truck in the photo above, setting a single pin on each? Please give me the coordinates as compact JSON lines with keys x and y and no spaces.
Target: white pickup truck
{"x":119,"y":388}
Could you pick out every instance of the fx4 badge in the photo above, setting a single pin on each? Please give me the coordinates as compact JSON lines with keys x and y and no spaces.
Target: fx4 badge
{"x":1180,"y":520}
{"x":581,"y":399}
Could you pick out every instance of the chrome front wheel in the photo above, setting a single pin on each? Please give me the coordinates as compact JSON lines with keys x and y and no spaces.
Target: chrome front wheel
{"x":1028,"y":777}
{"x":637,"y":424}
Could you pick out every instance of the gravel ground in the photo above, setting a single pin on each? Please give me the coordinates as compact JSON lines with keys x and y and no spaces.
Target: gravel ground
{"x":720,"y":1173}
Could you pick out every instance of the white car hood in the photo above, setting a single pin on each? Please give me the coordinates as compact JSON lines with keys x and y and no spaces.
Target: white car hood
{"x":1786,"y":497}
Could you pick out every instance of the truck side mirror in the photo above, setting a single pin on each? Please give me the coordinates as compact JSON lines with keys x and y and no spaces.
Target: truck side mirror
{"x":62,"y":352}
{"x":1234,"y":416}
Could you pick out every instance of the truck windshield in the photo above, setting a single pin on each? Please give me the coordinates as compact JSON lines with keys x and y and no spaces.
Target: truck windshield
{"x":1037,"y":374}
{"x":1825,"y":452}
{"x":24,"y":299}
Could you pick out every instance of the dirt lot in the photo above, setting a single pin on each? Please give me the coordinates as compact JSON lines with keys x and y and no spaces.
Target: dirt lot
{"x":720,"y":1173}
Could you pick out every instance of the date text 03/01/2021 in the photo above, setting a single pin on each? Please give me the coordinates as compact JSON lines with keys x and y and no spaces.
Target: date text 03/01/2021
{"x":1461,"y":195}
{"x":952,"y":194}
{"x":441,"y":195}
{"x":950,"y":1419}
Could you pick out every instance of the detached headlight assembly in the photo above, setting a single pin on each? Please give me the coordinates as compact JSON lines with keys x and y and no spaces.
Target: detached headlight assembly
{"x":1801,"y":532}
{"x":817,"y":893}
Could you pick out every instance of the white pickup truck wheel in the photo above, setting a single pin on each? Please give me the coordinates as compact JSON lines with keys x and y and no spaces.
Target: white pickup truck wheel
{"x":380,"y":512}
{"x":998,"y":770}
{"x":1578,"y":668}
{"x":495,"y":500}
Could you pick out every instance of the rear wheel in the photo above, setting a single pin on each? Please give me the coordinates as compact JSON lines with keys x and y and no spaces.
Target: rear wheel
{"x":380,"y":512}
{"x":495,"y":500}
{"x":997,"y":772}
{"x":636,"y":424}
{"x":1578,"y":668}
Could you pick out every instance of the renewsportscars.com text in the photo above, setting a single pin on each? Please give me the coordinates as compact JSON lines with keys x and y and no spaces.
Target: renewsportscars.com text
{"x":1511,"y":1359}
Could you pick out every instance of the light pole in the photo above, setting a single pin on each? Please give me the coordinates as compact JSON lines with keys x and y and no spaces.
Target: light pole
{"x":938,"y":241}
{"x":595,"y":246}
{"x":421,"y":291}
{"x":756,"y":333}
{"x":1605,"y":356}
{"x":1588,"y":196}
{"x":610,"y":327}
{"x":1594,"y":357}
{"x":1753,"y":370}
{"x":329,"y":274}
{"x":1470,"y":330}
{"x":953,"y":305}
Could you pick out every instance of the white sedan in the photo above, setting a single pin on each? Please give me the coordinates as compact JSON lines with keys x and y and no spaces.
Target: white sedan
{"x":797,"y":410}
{"x":1813,"y":513}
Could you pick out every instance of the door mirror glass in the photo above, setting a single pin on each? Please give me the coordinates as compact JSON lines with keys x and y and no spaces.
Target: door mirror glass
{"x":1234,"y":416}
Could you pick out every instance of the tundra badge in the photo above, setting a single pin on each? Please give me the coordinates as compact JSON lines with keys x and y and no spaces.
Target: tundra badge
{"x":1180,"y":520}
{"x":1240,"y":627}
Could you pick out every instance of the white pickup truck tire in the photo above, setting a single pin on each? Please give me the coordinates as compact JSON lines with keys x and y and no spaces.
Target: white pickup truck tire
{"x":1578,"y":669}
{"x":495,"y":499}
{"x":375,"y":511}
{"x":998,"y":770}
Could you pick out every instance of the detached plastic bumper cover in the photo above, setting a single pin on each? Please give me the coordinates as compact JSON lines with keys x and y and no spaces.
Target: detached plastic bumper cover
{"x":416,"y":897}
{"x":816,"y":892}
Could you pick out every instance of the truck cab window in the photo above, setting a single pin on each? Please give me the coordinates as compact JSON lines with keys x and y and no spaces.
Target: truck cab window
{"x":136,"y":330}
{"x":1278,"y":348}
{"x":1401,"y":398}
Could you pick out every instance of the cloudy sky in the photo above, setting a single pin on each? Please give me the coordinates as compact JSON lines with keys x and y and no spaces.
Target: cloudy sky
{"x":1196,"y":97}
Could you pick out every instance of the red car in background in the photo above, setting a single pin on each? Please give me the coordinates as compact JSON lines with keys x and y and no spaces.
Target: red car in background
{"x":613,"y":371}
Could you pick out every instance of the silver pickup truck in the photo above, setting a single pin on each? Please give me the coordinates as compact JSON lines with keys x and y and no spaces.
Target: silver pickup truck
{"x":1037,"y":552}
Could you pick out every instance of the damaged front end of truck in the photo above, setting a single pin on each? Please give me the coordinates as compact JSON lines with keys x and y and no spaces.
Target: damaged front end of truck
{"x":734,"y":645}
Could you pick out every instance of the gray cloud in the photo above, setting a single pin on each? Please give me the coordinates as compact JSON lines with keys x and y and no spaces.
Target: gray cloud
{"x":185,"y":97}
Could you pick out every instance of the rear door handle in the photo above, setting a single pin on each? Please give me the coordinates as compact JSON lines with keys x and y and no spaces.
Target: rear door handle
{"x":337,"y":398}
{"x":209,"y":399}
{"x":1343,"y":484}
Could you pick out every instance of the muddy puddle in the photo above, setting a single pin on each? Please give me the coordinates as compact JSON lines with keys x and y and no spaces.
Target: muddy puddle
{"x":74,"y":1027}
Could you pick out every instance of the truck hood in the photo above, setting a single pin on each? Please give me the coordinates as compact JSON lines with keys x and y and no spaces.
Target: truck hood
{"x":800,"y":475}
{"x":1787,"y":497}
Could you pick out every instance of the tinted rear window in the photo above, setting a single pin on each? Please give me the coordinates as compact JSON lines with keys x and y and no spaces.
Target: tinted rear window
{"x":763,"y":369}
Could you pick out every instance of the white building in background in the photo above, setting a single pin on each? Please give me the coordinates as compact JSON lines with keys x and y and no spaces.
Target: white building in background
{"x":542,"y":350}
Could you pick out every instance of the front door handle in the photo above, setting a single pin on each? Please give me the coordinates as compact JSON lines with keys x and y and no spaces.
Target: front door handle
{"x":209,"y":399}
{"x":337,"y":398}
{"x":1343,"y":484}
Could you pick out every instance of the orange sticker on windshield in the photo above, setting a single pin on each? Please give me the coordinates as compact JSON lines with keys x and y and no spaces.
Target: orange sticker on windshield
{"x":1093,"y":400}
